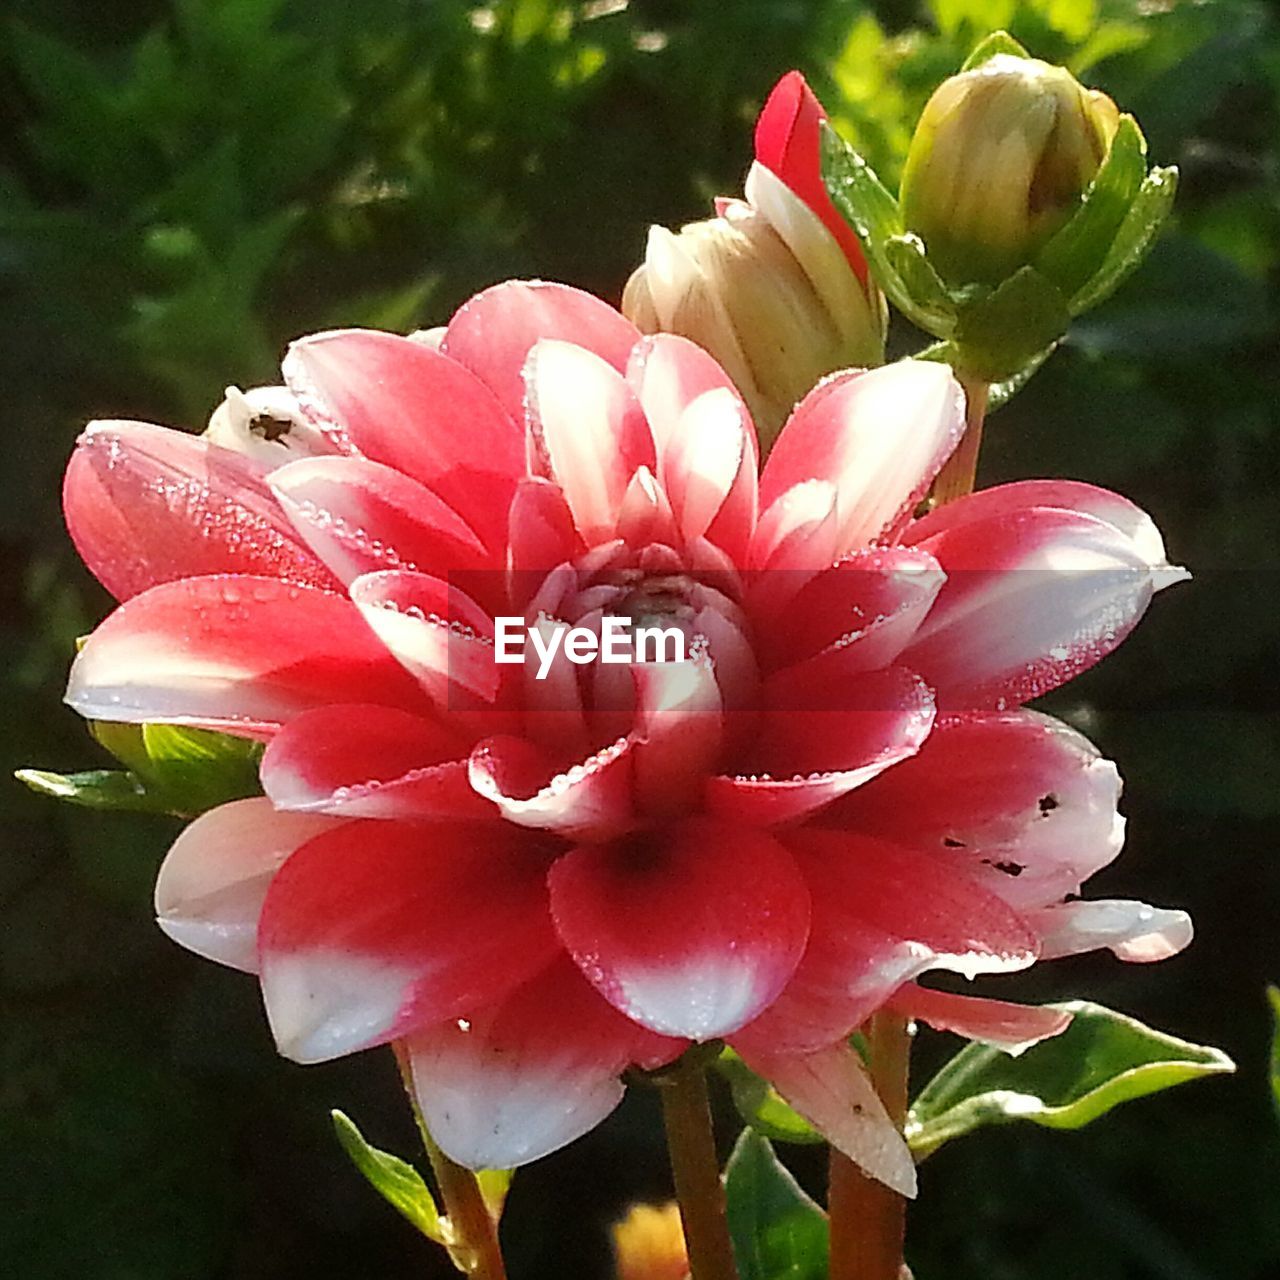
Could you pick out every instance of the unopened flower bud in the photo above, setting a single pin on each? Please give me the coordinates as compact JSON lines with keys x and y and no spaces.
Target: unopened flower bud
{"x":1000,"y":160}
{"x":648,"y":1244}
{"x":767,"y":286}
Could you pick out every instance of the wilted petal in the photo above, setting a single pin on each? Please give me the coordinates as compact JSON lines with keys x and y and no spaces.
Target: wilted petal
{"x":691,"y":931}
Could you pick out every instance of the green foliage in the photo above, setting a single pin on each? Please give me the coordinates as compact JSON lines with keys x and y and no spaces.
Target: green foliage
{"x":761,"y":1105}
{"x":1273,"y":997}
{"x":1102,"y":1059}
{"x":778,"y":1232}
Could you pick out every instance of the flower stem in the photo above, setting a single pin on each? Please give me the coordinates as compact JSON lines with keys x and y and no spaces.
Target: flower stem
{"x":473,"y":1234}
{"x":868,"y":1221}
{"x":957,"y":477}
{"x":691,"y":1144}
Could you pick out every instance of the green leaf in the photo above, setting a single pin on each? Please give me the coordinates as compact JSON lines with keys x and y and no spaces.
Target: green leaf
{"x":760,"y":1104}
{"x":1000,"y":333}
{"x":1075,"y":253}
{"x":397,"y":1182}
{"x":1273,"y":996}
{"x":996,"y":43}
{"x":1102,"y":1059}
{"x":864,"y":202}
{"x":94,"y":789}
{"x":1136,"y":235}
{"x":778,"y":1232}
{"x":906,"y":256}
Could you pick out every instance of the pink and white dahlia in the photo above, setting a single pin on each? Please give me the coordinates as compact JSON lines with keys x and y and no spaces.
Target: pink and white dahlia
{"x":536,"y":883}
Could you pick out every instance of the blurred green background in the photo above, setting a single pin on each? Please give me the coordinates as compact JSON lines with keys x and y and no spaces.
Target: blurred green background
{"x":184,"y":186}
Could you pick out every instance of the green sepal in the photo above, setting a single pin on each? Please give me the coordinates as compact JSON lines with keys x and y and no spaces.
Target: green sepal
{"x":1273,"y":998}
{"x":761,"y":1105}
{"x":95,"y":789}
{"x":1102,"y":1059}
{"x":998,"y":393}
{"x":866,"y":204}
{"x":905,"y":255}
{"x":494,"y":1185}
{"x":1071,"y":257}
{"x":1137,"y":233}
{"x":396,"y":1181}
{"x":996,"y":43}
{"x":998,"y":334}
{"x":777,"y":1231}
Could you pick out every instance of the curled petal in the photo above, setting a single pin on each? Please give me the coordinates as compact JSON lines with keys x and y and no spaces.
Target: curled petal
{"x":146,"y":505}
{"x":1011,"y":1027}
{"x":493,"y":333}
{"x":514,"y":1082}
{"x":832,"y":1090}
{"x":375,"y":929}
{"x":797,"y":535}
{"x":233,"y":651}
{"x":879,"y":436}
{"x":1131,"y":931}
{"x":1032,"y":598}
{"x":213,"y":881}
{"x":370,"y":762}
{"x":691,"y":931}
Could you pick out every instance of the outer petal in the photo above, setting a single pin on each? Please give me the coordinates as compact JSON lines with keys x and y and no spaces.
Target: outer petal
{"x":492,"y":334}
{"x":212,"y":883}
{"x":407,"y":405}
{"x":787,"y":144}
{"x":370,"y":762}
{"x":1032,"y":599}
{"x":146,"y":505}
{"x":880,"y":437}
{"x":1011,"y":1027}
{"x":832,"y":1090}
{"x":1132,"y":931}
{"x":1020,"y":801}
{"x":881,"y":916}
{"x":237,"y":651}
{"x":591,"y":431}
{"x":690,"y":932}
{"x":512,"y":1083}
{"x":378,"y":928}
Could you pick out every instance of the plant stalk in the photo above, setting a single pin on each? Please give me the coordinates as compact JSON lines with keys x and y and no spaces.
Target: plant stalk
{"x":868,"y":1221}
{"x":473,"y":1243}
{"x":686,"y":1112}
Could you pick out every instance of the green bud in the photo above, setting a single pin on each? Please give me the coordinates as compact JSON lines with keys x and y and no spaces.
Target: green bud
{"x":999,"y":163}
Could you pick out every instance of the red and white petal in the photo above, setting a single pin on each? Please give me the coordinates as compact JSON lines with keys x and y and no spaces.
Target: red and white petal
{"x":370,"y":762}
{"x":1022,"y":802}
{"x":376,"y":929}
{"x":690,"y":931}
{"x":493,"y":333}
{"x":435,"y":631}
{"x":1032,"y":599}
{"x":1011,"y":1027}
{"x":213,"y":881}
{"x":1130,"y":930}
{"x":146,"y":505}
{"x":879,"y":436}
{"x":1066,"y":495}
{"x":787,"y":144}
{"x":540,"y":536}
{"x":832,"y":1090}
{"x":233,"y":651}
{"x":871,"y":600}
{"x":361,"y":517}
{"x":805,"y":759}
{"x":882,"y":915}
{"x":590,"y":430}
{"x":407,"y":405}
{"x":512,"y":1083}
{"x":797,"y":533}
{"x":668,"y":373}
{"x":590,"y":800}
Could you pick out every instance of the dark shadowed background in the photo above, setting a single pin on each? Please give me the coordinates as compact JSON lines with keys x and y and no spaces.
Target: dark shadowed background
{"x":185,"y":186}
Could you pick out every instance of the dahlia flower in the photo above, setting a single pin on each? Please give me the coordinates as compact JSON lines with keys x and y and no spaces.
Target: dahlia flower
{"x":535,"y":884}
{"x":775,"y":286}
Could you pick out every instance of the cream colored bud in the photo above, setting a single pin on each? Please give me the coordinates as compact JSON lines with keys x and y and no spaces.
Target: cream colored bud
{"x":266,"y":424}
{"x":766,"y":289}
{"x":1000,"y":160}
{"x":648,"y":1244}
